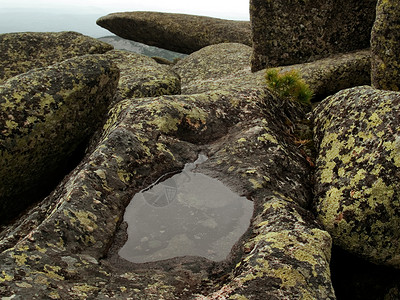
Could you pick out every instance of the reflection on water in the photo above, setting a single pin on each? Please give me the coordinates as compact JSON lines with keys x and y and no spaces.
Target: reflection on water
{"x":187,"y":214}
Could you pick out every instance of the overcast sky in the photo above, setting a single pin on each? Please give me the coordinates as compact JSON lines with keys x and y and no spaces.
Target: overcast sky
{"x":233,"y":9}
{"x":81,"y":15}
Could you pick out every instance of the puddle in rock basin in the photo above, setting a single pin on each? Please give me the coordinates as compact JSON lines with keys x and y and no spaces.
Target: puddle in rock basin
{"x":189,"y":214}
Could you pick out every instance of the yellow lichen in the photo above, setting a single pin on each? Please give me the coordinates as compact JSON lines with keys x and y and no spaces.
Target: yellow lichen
{"x":5,"y":277}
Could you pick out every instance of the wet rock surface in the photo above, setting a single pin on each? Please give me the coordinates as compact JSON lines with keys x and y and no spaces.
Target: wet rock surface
{"x":45,"y":115}
{"x":67,"y":245}
{"x":358,"y":170}
{"x":385,"y":44}
{"x":292,"y":32}
{"x":21,"y":52}
{"x":176,"y":32}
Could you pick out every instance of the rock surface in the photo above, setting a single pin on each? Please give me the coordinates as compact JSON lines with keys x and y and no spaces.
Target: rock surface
{"x":201,"y":71}
{"x":45,"y":115}
{"x":63,"y":247}
{"x":141,"y":76}
{"x":21,"y":52}
{"x":385,"y":46}
{"x":292,"y":32}
{"x":176,"y":32}
{"x":357,"y":187}
{"x":330,"y":75}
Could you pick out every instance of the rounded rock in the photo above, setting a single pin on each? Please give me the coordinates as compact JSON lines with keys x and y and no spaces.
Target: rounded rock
{"x":357,"y":187}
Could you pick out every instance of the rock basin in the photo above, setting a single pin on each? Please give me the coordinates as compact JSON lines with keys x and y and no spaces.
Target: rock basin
{"x":188,"y":214}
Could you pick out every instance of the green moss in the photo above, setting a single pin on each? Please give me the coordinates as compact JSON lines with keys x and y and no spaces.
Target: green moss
{"x":288,"y":85}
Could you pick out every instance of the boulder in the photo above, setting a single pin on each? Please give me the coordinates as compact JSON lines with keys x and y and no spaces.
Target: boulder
{"x":176,"y":32}
{"x":330,"y":75}
{"x":357,"y":191}
{"x":21,"y":52}
{"x":141,"y":76}
{"x":292,"y":32}
{"x":45,"y":115}
{"x":227,"y":66}
{"x":385,"y":46}
{"x":210,"y":67}
{"x":71,"y":239}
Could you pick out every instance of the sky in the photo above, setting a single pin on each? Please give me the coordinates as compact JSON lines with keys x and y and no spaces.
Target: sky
{"x":81,"y":15}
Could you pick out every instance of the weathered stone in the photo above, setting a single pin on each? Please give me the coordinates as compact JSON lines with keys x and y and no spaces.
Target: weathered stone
{"x":292,"y":32}
{"x":64,"y":241}
{"x":141,"y":76}
{"x":177,"y":32}
{"x":330,"y":75}
{"x":357,"y":190}
{"x":227,"y":66}
{"x":45,"y":115}
{"x":203,"y":70}
{"x":20,"y":52}
{"x":385,"y":46}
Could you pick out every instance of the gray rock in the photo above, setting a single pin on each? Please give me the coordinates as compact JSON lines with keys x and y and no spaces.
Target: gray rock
{"x":176,"y":32}
{"x":65,"y":241}
{"x":330,"y":75}
{"x":385,"y":46}
{"x":141,"y":76}
{"x":357,"y":187}
{"x":292,"y":32}
{"x":45,"y":115}
{"x":21,"y":52}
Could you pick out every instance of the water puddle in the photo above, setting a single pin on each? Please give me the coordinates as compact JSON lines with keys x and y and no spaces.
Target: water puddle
{"x":189,"y":214}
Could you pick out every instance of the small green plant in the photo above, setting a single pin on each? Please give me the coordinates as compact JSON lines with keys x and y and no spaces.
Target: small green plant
{"x":288,"y":85}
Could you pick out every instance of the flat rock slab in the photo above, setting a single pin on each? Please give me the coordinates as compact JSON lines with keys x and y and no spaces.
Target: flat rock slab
{"x":357,"y":133}
{"x":20,"y":52}
{"x":176,"y":32}
{"x":45,"y":115}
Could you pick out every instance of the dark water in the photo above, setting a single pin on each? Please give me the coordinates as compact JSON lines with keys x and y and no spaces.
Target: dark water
{"x":187,"y":214}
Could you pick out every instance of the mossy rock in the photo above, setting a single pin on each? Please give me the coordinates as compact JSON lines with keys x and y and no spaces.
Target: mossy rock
{"x":245,"y":136}
{"x":357,"y":133}
{"x":45,"y":115}
{"x":20,"y":52}
{"x":176,"y":32}
{"x":141,"y":76}
{"x":385,"y":46}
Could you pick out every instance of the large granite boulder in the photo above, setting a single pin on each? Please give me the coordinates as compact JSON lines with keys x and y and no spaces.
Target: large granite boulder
{"x":45,"y":115}
{"x":142,"y":76}
{"x":385,"y":46}
{"x":176,"y":32}
{"x":64,"y":246}
{"x":292,"y":32}
{"x":21,"y":52}
{"x":357,"y":192}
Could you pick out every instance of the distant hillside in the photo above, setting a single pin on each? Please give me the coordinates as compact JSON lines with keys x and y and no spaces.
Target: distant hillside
{"x":123,"y":44}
